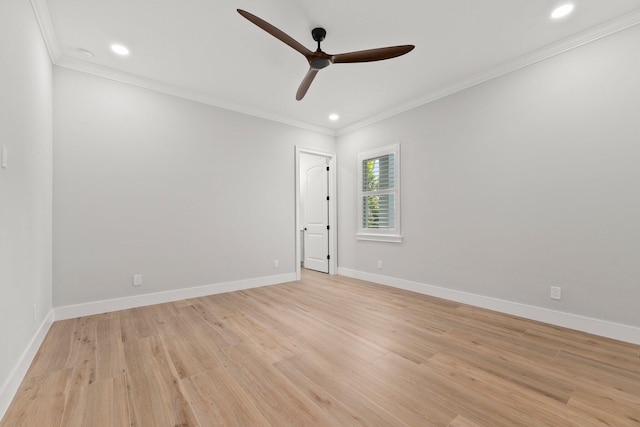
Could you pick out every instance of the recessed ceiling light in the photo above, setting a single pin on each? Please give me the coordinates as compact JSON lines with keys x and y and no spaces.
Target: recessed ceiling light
{"x":562,"y":11}
{"x":85,"y":53}
{"x":333,"y":117}
{"x":120,"y":49}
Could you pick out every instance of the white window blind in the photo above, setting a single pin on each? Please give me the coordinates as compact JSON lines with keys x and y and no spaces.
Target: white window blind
{"x":378,"y":178}
{"x":379,"y":216}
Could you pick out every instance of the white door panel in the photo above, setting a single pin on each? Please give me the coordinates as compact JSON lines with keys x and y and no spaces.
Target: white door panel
{"x":316,"y":214}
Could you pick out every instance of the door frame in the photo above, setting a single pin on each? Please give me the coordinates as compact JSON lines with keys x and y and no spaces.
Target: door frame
{"x":333,"y":211}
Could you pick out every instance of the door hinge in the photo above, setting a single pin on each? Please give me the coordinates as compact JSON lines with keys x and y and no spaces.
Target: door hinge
{"x":327,"y":167}
{"x":328,"y":256}
{"x":328,"y":228}
{"x":327,"y":197}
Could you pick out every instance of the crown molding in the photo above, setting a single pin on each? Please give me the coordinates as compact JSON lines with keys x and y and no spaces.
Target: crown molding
{"x":605,"y":29}
{"x":41,"y":10}
{"x":47,"y":29}
{"x":143,"y":82}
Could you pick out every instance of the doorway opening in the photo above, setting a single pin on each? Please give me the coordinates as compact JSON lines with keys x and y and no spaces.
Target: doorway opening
{"x":315,"y":211}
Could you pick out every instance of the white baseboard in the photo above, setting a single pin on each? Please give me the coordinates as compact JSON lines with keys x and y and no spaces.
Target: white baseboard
{"x":599,"y":327}
{"x":105,"y":306}
{"x":11,"y":385}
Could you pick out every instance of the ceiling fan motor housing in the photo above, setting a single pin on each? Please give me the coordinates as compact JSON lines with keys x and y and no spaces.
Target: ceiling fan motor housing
{"x":320,"y":63}
{"x":319,"y":59}
{"x":318,"y":34}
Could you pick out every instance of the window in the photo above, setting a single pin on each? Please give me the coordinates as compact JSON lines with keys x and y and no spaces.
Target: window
{"x":379,"y":194}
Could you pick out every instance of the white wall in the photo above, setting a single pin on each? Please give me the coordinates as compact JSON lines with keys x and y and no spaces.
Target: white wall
{"x":523,"y":182}
{"x":25,"y":187}
{"x":183,"y":193}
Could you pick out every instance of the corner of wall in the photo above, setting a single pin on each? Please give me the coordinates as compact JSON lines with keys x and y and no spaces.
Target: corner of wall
{"x":12,"y":384}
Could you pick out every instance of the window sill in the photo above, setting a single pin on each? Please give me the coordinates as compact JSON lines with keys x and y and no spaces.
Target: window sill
{"x":379,"y":237}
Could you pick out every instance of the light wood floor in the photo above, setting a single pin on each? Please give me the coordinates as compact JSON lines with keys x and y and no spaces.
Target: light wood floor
{"x":327,"y":351}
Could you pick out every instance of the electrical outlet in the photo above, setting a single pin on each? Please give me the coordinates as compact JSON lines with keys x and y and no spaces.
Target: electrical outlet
{"x":276,"y":263}
{"x":379,"y":265}
{"x":556,"y":292}
{"x":137,"y":279}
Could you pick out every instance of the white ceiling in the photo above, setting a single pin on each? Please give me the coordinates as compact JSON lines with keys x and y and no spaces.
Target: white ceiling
{"x":204,"y":50}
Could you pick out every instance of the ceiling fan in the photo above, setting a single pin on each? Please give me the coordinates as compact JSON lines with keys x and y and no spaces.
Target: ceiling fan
{"x":319,"y":59}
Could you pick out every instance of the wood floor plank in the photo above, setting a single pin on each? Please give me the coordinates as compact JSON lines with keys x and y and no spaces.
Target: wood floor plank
{"x":539,"y":375}
{"x":137,"y":323}
{"x":190,"y":343}
{"x":338,"y":411}
{"x":520,"y":405}
{"x":265,"y":341}
{"x":40,"y":401}
{"x":592,"y":371}
{"x":461,"y":421}
{"x":218,"y":400}
{"x":343,"y":344}
{"x":363,"y":409}
{"x":324,"y":351}
{"x":57,"y":349}
{"x":608,"y":405}
{"x":624,"y":360}
{"x":264,"y":314}
{"x":221,"y":334}
{"x":84,"y":369}
{"x":191,"y":356}
{"x":583,"y":340}
{"x":109,"y":351}
{"x":100,"y":404}
{"x":155,"y":398}
{"x":273,"y":394}
{"x":395,"y":395}
{"x":438,"y":388}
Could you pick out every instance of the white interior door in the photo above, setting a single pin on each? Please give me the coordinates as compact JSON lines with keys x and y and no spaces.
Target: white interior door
{"x":316,"y":216}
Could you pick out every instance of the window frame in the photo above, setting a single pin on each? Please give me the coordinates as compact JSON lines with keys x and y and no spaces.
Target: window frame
{"x":380,"y":234}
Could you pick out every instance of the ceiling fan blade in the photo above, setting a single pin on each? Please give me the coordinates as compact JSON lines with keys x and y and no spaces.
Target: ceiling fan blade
{"x":372,"y":54}
{"x":275,"y":32}
{"x":306,"y":82}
